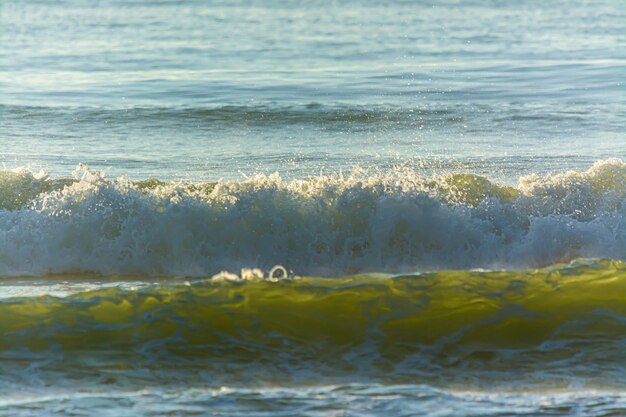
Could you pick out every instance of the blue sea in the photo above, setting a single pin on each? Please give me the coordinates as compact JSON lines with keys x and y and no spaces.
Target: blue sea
{"x":323,"y":208}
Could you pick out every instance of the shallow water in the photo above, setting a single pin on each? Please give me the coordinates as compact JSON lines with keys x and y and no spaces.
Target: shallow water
{"x":444,"y":183}
{"x":339,"y":400}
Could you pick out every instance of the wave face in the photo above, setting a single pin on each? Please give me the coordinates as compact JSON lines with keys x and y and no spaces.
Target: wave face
{"x":327,"y":225}
{"x":550,"y":325}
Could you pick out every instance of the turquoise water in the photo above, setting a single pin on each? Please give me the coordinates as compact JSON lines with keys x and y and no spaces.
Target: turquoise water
{"x":444,"y":183}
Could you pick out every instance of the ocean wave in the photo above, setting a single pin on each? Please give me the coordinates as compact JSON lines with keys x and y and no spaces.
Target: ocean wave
{"x":395,"y":221}
{"x":262,"y":115}
{"x":567,"y":316}
{"x":337,"y":116}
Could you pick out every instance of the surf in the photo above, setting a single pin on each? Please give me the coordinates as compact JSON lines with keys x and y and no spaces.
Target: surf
{"x":329,"y":225}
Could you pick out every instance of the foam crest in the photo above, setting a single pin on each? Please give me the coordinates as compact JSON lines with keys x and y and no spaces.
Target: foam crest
{"x":580,"y":194}
{"x":328,"y":225}
{"x":20,"y":186}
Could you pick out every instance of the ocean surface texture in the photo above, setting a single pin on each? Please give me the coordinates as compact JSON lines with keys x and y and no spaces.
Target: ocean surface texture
{"x":278,"y":208}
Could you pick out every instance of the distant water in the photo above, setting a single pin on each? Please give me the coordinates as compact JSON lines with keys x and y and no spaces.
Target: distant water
{"x":201,"y":91}
{"x":444,"y":183}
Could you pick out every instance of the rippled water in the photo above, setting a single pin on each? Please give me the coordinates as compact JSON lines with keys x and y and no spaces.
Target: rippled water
{"x":444,"y":182}
{"x":202,"y":91}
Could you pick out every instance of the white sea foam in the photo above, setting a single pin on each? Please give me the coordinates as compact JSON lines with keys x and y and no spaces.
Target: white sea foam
{"x":392,"y":222}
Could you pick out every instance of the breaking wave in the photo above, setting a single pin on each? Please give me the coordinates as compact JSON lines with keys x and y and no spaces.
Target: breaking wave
{"x":332,"y":225}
